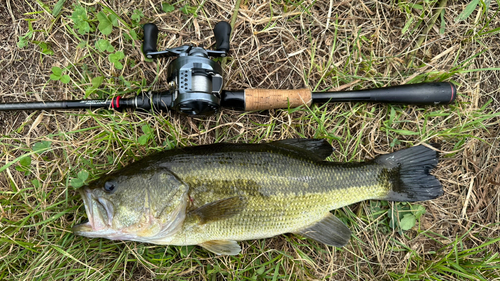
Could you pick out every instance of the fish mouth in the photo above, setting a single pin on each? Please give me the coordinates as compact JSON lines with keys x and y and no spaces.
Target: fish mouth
{"x":99,"y":212}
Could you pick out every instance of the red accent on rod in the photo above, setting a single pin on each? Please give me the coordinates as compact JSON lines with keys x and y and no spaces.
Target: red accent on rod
{"x":118,"y":102}
{"x":115,"y":102}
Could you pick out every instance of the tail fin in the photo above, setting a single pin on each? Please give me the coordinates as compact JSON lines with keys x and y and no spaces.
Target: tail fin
{"x":409,"y":172}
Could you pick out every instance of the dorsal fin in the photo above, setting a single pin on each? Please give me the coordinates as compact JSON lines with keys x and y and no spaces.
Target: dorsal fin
{"x":317,"y":149}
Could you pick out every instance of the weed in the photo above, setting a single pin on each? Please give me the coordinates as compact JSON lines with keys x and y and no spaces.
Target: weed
{"x":103,"y":45}
{"x":469,"y":9}
{"x":45,"y":48}
{"x":404,"y":216}
{"x":80,"y":179}
{"x":105,"y":23}
{"x":137,"y":15}
{"x":24,"y":40}
{"x":189,"y":10}
{"x":41,"y":146}
{"x":81,"y":20}
{"x":116,"y":58}
{"x":148,"y":134}
{"x":57,"y":75}
{"x":58,"y":8}
{"x":167,"y":7}
{"x":24,"y":165}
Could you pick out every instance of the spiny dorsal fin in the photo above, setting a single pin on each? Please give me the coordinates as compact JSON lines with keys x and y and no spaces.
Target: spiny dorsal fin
{"x":314,"y":148}
{"x":329,"y":230}
{"x":220,"y":209}
{"x":222,"y":247}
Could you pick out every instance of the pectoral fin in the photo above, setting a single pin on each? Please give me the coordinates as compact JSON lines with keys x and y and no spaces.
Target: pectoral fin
{"x":222,"y":247}
{"x":329,"y":230}
{"x":220,"y":209}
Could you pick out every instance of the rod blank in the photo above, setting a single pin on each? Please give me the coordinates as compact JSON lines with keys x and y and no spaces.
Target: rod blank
{"x":65,"y":104}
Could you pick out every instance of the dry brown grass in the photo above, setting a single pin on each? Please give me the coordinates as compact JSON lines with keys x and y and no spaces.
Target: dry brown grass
{"x":275,"y":45}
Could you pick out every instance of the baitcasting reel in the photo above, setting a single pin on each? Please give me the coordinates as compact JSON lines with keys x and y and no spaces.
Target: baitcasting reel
{"x":194,"y":79}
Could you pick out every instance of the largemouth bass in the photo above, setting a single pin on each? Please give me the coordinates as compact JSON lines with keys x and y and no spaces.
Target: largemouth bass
{"x":216,"y":195}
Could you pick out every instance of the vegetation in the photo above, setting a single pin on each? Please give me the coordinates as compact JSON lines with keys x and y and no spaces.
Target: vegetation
{"x":60,"y":49}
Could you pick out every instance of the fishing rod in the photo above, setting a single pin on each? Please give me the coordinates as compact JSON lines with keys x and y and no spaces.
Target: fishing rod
{"x":195,"y":85}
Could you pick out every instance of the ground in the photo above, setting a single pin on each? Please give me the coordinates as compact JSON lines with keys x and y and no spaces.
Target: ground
{"x":48,"y":52}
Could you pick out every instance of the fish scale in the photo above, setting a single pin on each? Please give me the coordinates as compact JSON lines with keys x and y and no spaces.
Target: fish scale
{"x":277,"y":206}
{"x":215,"y":195}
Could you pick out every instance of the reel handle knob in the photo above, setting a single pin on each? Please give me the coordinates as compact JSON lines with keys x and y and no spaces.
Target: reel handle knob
{"x":222,"y":32}
{"x":150,"y":39}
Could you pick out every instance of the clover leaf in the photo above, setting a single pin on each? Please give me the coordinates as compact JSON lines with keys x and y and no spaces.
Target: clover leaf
{"x":408,"y":221}
{"x":115,"y":59}
{"x":104,"y":45}
{"x":189,"y":10}
{"x":167,"y":8}
{"x":24,"y":166}
{"x":24,"y":40}
{"x":80,"y":179}
{"x":80,"y":20}
{"x":96,"y":83}
{"x":148,"y":133}
{"x":42,"y":146}
{"x":137,"y":15}
{"x":45,"y":48}
{"x":105,"y":23}
{"x":58,"y":76}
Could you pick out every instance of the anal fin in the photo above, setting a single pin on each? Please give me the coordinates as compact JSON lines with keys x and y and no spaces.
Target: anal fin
{"x":222,"y":247}
{"x":330,"y":231}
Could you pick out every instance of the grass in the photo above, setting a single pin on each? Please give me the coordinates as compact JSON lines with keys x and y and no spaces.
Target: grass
{"x":278,"y":44}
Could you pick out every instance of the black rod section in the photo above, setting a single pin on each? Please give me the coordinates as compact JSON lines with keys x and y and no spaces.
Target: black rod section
{"x":233,"y":99}
{"x":147,"y":101}
{"x":65,"y":104}
{"x":423,"y":93}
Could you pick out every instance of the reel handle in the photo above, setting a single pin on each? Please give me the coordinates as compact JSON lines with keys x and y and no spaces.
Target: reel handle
{"x":222,"y":32}
{"x":150,"y":39}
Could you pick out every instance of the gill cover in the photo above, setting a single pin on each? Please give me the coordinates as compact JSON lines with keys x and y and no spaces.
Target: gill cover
{"x":136,"y":204}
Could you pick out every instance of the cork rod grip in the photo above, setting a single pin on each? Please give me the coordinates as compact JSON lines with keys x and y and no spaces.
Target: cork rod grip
{"x":262,"y":99}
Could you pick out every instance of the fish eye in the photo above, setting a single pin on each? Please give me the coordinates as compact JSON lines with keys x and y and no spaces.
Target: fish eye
{"x":109,"y":186}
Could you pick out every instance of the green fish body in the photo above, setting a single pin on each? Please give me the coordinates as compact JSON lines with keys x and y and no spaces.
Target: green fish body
{"x":218,"y":194}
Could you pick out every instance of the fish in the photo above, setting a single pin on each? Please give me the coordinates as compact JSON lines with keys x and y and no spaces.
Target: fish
{"x":217,"y":195}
